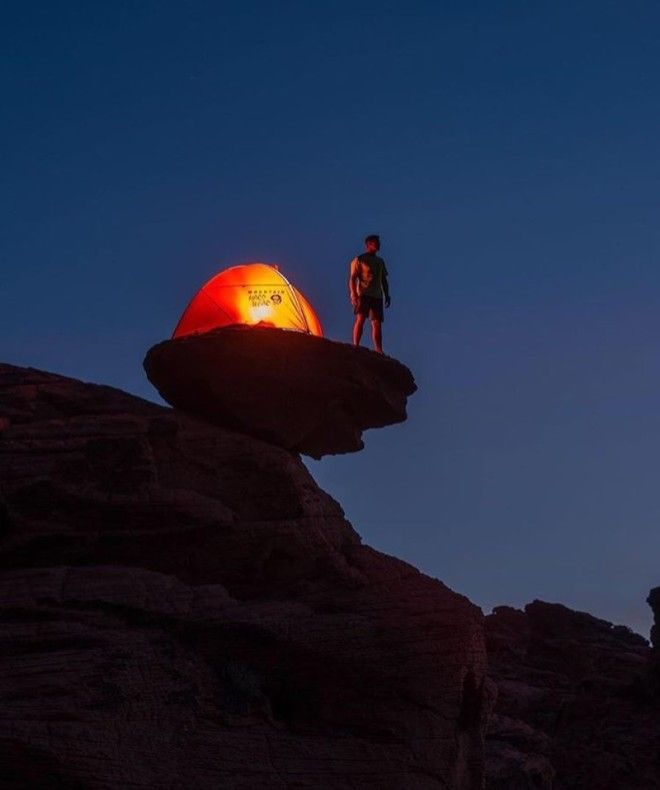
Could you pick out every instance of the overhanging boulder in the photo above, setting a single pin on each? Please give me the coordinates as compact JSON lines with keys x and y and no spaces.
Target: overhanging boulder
{"x":304,"y":393}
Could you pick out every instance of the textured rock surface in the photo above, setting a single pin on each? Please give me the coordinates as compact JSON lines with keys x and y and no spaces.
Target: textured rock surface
{"x":654,"y":602}
{"x":183,"y":607}
{"x":303,"y":393}
{"x":574,"y":706}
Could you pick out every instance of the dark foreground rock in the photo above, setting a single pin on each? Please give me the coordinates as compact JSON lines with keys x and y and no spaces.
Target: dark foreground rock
{"x":182,"y":607}
{"x":575,"y":706}
{"x":654,"y":602}
{"x":299,"y":392}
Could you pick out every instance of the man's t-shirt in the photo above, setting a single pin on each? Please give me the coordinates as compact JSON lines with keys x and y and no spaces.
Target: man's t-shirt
{"x":369,"y":270}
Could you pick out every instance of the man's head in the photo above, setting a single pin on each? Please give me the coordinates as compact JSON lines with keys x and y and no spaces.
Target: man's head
{"x":372,"y":243}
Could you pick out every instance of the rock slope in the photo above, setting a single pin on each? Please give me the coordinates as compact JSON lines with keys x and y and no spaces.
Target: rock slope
{"x":183,"y":607}
{"x":575,"y":706}
{"x":303,"y":393}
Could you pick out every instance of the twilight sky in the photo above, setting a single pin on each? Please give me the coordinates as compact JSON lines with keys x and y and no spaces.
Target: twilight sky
{"x":508,"y":154}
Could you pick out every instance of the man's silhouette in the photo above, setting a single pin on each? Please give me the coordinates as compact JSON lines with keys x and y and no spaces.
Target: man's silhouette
{"x":368,"y":287}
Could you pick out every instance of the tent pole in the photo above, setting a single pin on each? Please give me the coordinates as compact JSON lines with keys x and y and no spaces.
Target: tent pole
{"x":295,"y":296}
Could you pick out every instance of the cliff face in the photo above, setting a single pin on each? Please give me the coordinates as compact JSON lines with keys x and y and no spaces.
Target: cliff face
{"x":654,"y":602}
{"x":576,"y":705}
{"x":183,"y":607}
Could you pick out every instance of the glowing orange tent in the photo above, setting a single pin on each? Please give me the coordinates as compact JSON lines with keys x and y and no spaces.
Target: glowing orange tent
{"x":252,"y":294}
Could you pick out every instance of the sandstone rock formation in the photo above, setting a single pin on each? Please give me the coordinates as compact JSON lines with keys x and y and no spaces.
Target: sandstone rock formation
{"x":654,"y":602}
{"x":183,"y":607}
{"x":299,"y":392}
{"x":574,"y":706}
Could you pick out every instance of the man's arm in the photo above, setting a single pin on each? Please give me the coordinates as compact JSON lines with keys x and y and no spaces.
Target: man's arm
{"x":353,"y":281}
{"x":386,"y":288}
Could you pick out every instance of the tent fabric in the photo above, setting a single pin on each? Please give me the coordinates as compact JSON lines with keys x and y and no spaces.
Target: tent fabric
{"x":252,"y":294}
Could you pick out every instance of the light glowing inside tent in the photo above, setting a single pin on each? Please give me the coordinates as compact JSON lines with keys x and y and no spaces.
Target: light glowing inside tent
{"x":260,"y":314}
{"x":252,"y":294}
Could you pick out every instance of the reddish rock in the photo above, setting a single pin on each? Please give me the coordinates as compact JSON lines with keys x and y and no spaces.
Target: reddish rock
{"x":183,"y":607}
{"x":297,"y":391}
{"x":574,"y":706}
{"x":654,"y":602}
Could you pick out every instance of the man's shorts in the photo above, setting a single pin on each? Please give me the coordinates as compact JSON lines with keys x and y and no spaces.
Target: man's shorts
{"x":370,"y":307}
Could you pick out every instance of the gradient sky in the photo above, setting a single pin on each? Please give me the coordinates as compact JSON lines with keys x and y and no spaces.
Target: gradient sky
{"x":508,"y":154}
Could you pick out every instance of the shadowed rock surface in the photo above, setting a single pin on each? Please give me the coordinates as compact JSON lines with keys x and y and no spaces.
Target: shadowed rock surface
{"x":575,"y":705}
{"x":302,"y":393}
{"x":183,"y":607}
{"x":654,"y":602}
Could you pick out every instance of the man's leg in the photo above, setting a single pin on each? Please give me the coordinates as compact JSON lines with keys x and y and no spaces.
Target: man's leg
{"x":377,"y":335}
{"x":357,"y":329}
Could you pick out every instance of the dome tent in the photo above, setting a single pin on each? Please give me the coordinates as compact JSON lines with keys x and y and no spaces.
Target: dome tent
{"x":252,"y":294}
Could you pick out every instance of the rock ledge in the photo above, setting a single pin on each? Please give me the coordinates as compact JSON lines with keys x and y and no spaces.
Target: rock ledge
{"x":303,"y":393}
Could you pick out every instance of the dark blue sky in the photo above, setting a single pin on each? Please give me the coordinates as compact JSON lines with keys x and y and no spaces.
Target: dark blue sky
{"x":509,"y":155}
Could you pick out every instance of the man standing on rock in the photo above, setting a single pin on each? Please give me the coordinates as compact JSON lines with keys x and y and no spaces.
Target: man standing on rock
{"x":368,"y":288}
